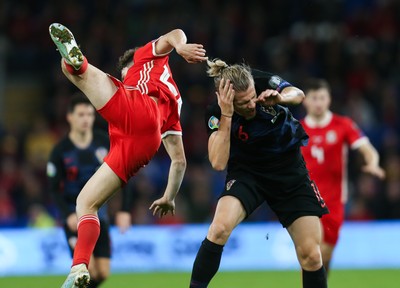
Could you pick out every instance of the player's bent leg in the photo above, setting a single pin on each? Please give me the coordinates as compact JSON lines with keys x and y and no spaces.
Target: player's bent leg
{"x":100,"y":187}
{"x":331,"y":224}
{"x":94,"y":83}
{"x":228,"y":214}
{"x":92,"y":268}
{"x":306,"y":235}
{"x":99,"y":269}
{"x":327,"y":252}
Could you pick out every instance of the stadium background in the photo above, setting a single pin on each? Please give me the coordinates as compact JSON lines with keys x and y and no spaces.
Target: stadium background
{"x":354,"y":44}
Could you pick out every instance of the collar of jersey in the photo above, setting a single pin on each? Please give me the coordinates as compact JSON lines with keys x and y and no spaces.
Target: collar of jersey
{"x":310,"y":122}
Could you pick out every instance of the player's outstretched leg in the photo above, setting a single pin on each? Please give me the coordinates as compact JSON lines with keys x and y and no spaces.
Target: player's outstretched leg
{"x":93,"y":82}
{"x":66,"y":44}
{"x":78,"y":277}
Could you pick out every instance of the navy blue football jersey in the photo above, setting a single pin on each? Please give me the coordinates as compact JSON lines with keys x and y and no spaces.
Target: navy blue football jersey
{"x":70,"y":167}
{"x":264,"y":138}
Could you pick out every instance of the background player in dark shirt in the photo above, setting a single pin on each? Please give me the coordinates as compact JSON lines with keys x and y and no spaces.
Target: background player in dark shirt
{"x":259,"y":142}
{"x":72,"y":162}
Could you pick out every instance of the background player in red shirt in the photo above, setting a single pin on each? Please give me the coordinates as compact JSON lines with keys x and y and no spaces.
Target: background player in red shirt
{"x":326,"y":158}
{"x":137,"y":110}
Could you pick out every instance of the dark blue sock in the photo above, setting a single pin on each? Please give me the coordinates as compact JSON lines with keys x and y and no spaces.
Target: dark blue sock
{"x":93,"y":284}
{"x":315,"y":279}
{"x":206,"y":264}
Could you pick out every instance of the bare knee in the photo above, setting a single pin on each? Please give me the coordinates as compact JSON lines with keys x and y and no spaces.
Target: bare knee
{"x":219,"y":233}
{"x":85,"y":206}
{"x":309,"y":256}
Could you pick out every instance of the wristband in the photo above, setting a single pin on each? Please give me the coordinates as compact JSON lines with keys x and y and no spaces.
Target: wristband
{"x":226,"y":115}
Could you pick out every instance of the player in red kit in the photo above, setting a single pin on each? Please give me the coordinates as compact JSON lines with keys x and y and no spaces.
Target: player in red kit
{"x":140,"y":111}
{"x":326,"y":157}
{"x":152,"y":75}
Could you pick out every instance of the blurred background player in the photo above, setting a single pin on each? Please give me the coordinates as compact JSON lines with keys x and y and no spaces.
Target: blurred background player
{"x":72,"y":162}
{"x":258,"y":140}
{"x":139,"y":111}
{"x":326,"y":158}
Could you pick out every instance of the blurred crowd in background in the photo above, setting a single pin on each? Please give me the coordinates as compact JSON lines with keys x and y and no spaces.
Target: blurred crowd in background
{"x":354,"y":44}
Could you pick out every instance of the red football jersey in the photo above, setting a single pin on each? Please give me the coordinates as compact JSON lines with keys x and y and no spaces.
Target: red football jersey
{"x":152,"y":75}
{"x":326,"y":154}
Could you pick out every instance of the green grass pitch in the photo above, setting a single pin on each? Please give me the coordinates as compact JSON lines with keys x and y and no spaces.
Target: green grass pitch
{"x":253,"y":279}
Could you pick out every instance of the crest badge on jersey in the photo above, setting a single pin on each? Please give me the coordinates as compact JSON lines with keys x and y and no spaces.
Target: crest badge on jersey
{"x":317,"y":139}
{"x":51,"y":169}
{"x":331,"y":137}
{"x":213,"y":122}
{"x":270,"y":110}
{"x":100,"y":153}
{"x":229,"y":184}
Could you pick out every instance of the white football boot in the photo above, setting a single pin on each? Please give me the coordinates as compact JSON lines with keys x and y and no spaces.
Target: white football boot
{"x":78,"y":277}
{"x":66,"y":45}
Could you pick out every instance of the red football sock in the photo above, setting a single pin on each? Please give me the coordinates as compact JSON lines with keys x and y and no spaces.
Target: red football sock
{"x":88,"y":233}
{"x":71,"y":70}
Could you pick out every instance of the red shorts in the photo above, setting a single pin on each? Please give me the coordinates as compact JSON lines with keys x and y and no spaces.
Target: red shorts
{"x":332,"y":222}
{"x":134,"y":128}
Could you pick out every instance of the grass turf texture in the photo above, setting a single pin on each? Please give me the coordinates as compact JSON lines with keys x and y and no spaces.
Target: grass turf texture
{"x":253,"y":279}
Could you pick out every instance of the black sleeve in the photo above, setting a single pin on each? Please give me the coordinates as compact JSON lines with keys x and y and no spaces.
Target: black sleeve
{"x":265,"y":80}
{"x":55,"y":176}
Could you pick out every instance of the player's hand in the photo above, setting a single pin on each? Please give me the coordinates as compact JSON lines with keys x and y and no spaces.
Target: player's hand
{"x":123,"y":221}
{"x":162,"y":206}
{"x":374,"y":170}
{"x":225,"y":97}
{"x":269,"y":97}
{"x":72,"y":222}
{"x":192,"y":53}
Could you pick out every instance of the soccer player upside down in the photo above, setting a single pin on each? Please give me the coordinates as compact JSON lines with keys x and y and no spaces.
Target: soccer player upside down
{"x":141,"y":111}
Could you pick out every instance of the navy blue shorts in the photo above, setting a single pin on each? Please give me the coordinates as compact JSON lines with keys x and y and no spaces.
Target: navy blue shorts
{"x":286,"y":188}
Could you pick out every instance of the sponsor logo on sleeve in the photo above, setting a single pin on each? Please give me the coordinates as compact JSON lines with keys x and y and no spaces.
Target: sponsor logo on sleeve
{"x":275,"y":81}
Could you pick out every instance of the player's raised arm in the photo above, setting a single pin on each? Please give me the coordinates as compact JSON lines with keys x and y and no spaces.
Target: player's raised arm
{"x":219,"y":141}
{"x":288,"y":96}
{"x":192,"y":53}
{"x":292,"y":96}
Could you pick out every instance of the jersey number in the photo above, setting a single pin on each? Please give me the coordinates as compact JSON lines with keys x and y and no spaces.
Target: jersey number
{"x":318,"y":153}
{"x":164,"y":79}
{"x":242,"y":135}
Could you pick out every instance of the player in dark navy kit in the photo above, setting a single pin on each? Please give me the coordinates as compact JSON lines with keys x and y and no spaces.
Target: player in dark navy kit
{"x":72,"y":162}
{"x":256,"y":137}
